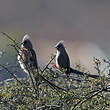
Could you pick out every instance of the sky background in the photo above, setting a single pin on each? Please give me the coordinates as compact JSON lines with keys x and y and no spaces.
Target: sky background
{"x":84,"y":25}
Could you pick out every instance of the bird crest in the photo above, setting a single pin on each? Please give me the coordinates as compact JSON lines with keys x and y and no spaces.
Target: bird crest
{"x":26,"y":37}
{"x":59,"y":43}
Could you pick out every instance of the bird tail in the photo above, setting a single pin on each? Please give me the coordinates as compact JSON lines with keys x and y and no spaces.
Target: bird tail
{"x":82,"y":73}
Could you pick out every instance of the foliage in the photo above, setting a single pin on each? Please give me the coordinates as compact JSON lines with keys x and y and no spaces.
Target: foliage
{"x":79,"y":92}
{"x":82,"y":94}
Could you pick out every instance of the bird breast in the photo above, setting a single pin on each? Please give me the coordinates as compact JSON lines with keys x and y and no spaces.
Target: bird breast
{"x":20,"y":58}
{"x":57,"y":55}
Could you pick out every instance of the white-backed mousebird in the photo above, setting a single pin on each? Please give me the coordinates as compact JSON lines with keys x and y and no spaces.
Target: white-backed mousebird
{"x":27,"y":56}
{"x":63,"y":61}
{"x":62,"y":58}
{"x":28,"y":61}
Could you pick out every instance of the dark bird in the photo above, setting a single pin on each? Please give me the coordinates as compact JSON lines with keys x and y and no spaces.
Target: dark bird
{"x":27,"y":56}
{"x":63,"y":61}
{"x":28,"y":61}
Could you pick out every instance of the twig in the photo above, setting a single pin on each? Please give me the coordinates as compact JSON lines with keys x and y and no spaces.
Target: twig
{"x":11,"y":73}
{"x":14,"y":41}
{"x":63,"y":75}
{"x":51,"y":84}
{"x":48,"y":63}
{"x":5,"y":68}
{"x":16,"y":45}
{"x":36,"y":91}
{"x":83,"y":101}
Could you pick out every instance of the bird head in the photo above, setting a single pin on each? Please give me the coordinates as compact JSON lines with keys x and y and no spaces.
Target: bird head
{"x":59,"y":46}
{"x":26,"y":43}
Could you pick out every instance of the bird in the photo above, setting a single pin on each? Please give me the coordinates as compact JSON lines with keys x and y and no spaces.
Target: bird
{"x":62,"y":58}
{"x":27,"y":59}
{"x":63,"y":61}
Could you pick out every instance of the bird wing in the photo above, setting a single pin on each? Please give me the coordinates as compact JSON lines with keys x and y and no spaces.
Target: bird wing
{"x":63,"y":61}
{"x":33,"y":58}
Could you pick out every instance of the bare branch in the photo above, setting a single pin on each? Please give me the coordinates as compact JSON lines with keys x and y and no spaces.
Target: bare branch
{"x":13,"y":40}
{"x":16,"y":47}
{"x":46,"y":67}
{"x":11,"y":74}
{"x":91,"y":96}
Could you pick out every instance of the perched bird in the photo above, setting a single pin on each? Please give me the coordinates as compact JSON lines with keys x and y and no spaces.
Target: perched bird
{"x":27,"y":56}
{"x":63,"y":61}
{"x":28,"y":61}
{"x":62,"y":58}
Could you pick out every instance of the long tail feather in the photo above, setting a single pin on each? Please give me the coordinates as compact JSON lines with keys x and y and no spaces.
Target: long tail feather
{"x":82,"y":73}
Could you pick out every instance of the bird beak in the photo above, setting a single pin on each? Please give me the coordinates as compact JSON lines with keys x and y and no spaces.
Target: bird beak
{"x":22,"y":43}
{"x":56,"y":46}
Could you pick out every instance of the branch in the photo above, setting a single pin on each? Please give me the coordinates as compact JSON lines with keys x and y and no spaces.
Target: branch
{"x":16,"y":45}
{"x":89,"y":97}
{"x":11,"y":73}
{"x":46,"y":67}
{"x":14,"y":41}
{"x":53,"y":86}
